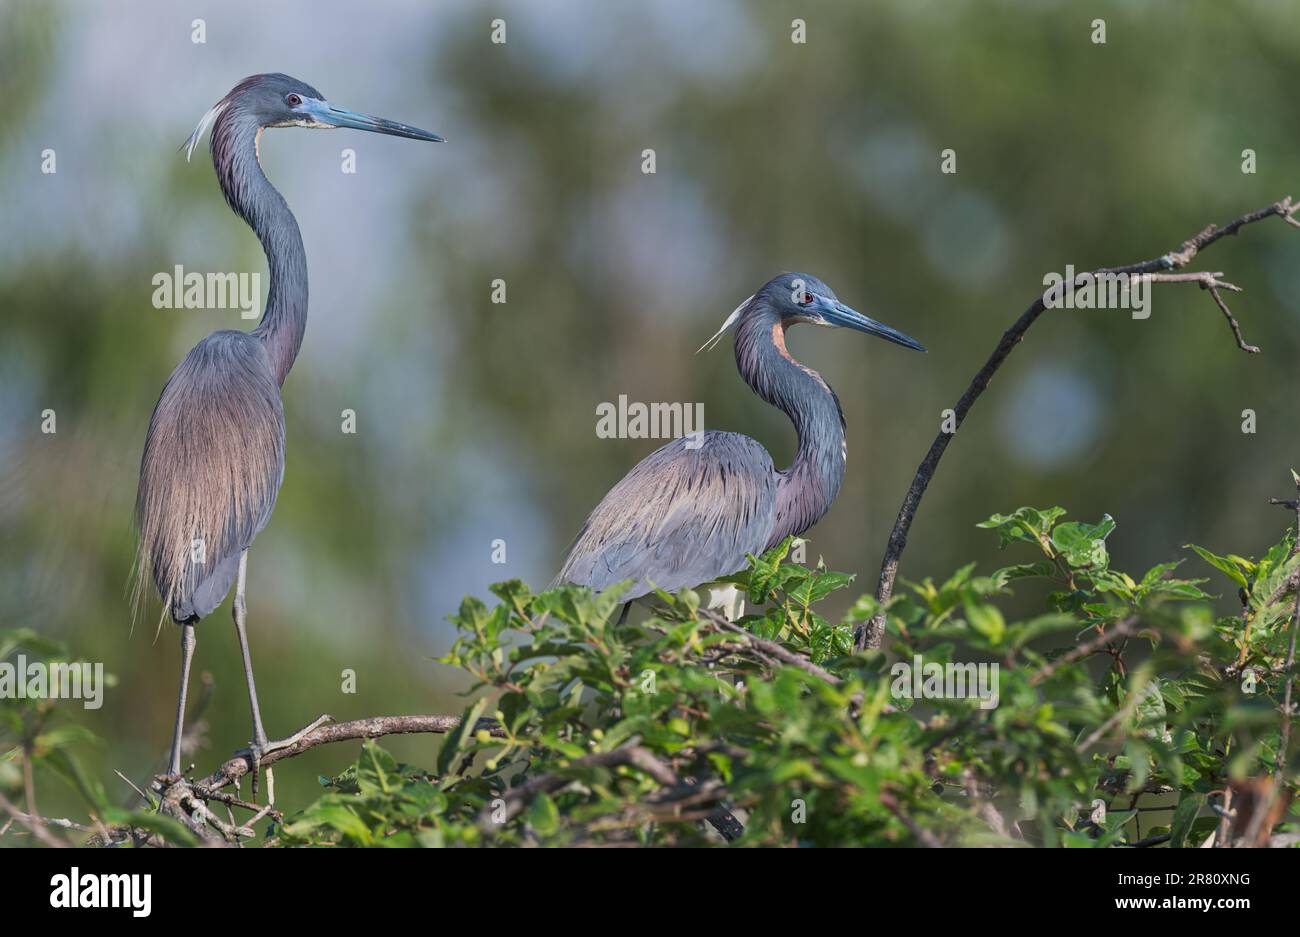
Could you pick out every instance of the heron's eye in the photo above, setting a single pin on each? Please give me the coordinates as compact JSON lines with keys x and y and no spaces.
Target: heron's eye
{"x":294,"y":100}
{"x":806,"y":299}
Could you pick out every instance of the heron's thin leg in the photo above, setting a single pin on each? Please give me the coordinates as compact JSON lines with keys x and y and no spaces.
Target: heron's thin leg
{"x":627,"y":607}
{"x":240,"y":613}
{"x":260,"y":746}
{"x":239,"y":610}
{"x":187,"y":653}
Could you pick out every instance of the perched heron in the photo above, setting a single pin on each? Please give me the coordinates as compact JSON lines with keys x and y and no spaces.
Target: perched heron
{"x":691,"y":511}
{"x":214,"y":455}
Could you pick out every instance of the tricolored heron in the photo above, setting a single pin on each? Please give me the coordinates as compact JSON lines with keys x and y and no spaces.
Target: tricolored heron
{"x":690,"y":511}
{"x":214,"y":455}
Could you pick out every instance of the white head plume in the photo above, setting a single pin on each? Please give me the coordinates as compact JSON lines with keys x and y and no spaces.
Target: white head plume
{"x":730,"y":321}
{"x":204,"y":123}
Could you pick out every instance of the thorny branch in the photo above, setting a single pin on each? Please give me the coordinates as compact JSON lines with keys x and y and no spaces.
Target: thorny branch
{"x":371,"y":728}
{"x":186,"y":800}
{"x":870,"y":634}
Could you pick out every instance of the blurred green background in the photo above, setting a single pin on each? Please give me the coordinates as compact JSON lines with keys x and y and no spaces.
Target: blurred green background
{"x":476,"y":422}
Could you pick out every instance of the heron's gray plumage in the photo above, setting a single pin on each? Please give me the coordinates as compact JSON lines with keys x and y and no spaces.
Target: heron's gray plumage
{"x":685,"y":517}
{"x":236,"y":136}
{"x":214,"y":454}
{"x":681,"y":511}
{"x":213,"y":463}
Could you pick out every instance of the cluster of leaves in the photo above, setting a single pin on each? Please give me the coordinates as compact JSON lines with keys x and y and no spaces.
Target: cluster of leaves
{"x":821,"y":746}
{"x":1120,"y":714}
{"x":41,"y":737}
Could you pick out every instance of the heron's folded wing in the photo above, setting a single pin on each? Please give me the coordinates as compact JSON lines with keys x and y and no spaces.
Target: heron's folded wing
{"x":684,"y":516}
{"x":213,"y":462}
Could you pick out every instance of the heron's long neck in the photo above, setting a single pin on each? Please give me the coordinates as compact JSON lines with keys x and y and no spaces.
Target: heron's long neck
{"x":806,"y":489}
{"x":234,"y":154}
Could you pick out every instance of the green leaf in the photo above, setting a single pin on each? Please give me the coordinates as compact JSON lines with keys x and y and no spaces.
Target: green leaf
{"x":1084,"y":545}
{"x":1031,"y":524}
{"x":544,"y":816}
{"x":376,"y":770}
{"x":1043,"y":569}
{"x":1236,"y":568}
{"x":457,"y":737}
{"x":988,"y":621}
{"x":819,"y":585}
{"x":769,"y":572}
{"x":167,"y":827}
{"x":332,"y":815}
{"x":1184,"y":816}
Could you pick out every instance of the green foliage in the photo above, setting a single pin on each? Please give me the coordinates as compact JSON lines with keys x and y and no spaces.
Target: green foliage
{"x":38,"y":734}
{"x":846,"y":752}
{"x":1119,"y":713}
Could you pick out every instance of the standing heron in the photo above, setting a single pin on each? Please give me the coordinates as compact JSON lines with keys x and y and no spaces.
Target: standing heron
{"x":214,"y":455}
{"x":690,"y":511}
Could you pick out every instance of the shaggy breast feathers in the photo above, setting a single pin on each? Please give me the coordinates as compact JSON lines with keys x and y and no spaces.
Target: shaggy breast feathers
{"x":212,"y":465}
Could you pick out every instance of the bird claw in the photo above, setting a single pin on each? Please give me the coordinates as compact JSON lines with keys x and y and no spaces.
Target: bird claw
{"x":256,"y":751}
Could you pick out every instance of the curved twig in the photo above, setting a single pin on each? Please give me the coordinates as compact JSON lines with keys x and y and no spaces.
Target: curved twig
{"x":1124,"y":628}
{"x":870,"y":634}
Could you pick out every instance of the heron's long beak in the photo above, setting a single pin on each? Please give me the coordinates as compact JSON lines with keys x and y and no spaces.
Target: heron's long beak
{"x":339,"y":117}
{"x":836,"y":313}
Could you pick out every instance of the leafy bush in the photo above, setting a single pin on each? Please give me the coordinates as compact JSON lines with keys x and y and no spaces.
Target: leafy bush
{"x":669,"y":730}
{"x":1125,"y":713}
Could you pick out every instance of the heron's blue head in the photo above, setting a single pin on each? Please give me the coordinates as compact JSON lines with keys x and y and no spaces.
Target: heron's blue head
{"x":800,"y":297}
{"x":277,"y":100}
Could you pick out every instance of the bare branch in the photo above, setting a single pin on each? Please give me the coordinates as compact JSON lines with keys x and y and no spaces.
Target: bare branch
{"x":923,"y":836}
{"x":632,"y":756}
{"x":870,"y":634}
{"x":771,"y":648}
{"x":371,"y":728}
{"x":1135,"y":699}
{"x":1123,"y":629}
{"x":33,"y":823}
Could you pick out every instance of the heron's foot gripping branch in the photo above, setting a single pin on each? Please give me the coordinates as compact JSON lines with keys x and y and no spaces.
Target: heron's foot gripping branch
{"x":256,"y":753}
{"x":188,"y":800}
{"x":188,"y":803}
